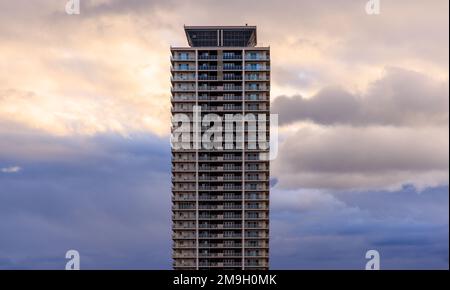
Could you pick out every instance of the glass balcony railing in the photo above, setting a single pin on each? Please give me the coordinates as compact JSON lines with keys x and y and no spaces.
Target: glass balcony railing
{"x":232,"y":67}
{"x":257,"y":68}
{"x":182,"y":58}
{"x":183,"y":68}
{"x":207,"y":67}
{"x":207,"y":57}
{"x":257,"y":57}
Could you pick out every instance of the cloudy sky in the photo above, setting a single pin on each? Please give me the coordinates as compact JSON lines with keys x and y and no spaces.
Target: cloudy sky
{"x":364,"y":130}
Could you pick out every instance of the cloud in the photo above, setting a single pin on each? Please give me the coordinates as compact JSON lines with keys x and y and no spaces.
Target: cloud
{"x":107,"y":69}
{"x":11,"y":169}
{"x":342,"y":157}
{"x":313,"y":229}
{"x":109,"y":197}
{"x":401,"y":97}
{"x":394,"y":133}
{"x":71,"y":111}
{"x":106,"y":196}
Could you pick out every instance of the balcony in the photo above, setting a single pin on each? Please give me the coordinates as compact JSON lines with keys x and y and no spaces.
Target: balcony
{"x":220,"y":168}
{"x":232,"y":67}
{"x":207,"y":78}
{"x":210,"y":158}
{"x":207,"y":67}
{"x":253,"y":158}
{"x":256,"y":98}
{"x":183,"y":236}
{"x":207,"y":57}
{"x":256,"y":217}
{"x":257,"y":187}
{"x":234,"y":78}
{"x":257,"y":68}
{"x":220,"y":98}
{"x":183,"y":98}
{"x":190,"y":266}
{"x":205,"y":197}
{"x":257,"y":57}
{"x":252,"y":196}
{"x":183,"y":159}
{"x":183,"y":198}
{"x":183,"y":217}
{"x":256,"y":168}
{"x":184,"y":169}
{"x":219,"y":217}
{"x":184,"y":256}
{"x":220,"y":88}
{"x":187,"y":246}
{"x":219,"y":245}
{"x":178,"y":207}
{"x":256,"y":207}
{"x":177,"y":109}
{"x":221,"y":108}
{"x":220,"y":255}
{"x":181,"y":79}
{"x":183,"y":188}
{"x":231,"y":57}
{"x":257,"y":88}
{"x":219,"y":236}
{"x":182,"y":89}
{"x":219,"y":188}
{"x":218,"y":264}
{"x":182,"y":68}
{"x":262,"y":78}
{"x":182,"y":58}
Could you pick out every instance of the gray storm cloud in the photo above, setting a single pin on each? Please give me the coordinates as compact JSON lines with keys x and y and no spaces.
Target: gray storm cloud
{"x":401,"y":97}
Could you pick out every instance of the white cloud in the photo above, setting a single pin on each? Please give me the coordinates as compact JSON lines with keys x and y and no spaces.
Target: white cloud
{"x":11,"y":169}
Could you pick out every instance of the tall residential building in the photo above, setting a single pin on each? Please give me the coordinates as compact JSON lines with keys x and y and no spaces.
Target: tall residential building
{"x":221,"y":195}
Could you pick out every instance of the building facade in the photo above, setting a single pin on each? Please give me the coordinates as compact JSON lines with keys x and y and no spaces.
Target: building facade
{"x":221,"y":195}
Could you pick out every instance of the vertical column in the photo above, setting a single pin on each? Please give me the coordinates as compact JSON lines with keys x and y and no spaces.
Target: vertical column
{"x":243,"y":159}
{"x":218,"y":37}
{"x":194,"y":118}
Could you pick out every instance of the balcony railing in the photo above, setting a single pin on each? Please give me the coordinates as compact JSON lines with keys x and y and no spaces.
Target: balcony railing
{"x":232,"y":67}
{"x":207,"y":67}
{"x":248,"y":78}
{"x":257,"y":68}
{"x":207,"y":57}
{"x":235,"y":78}
{"x":220,"y":88}
{"x":257,"y":57}
{"x":220,"y":108}
{"x":182,"y":68}
{"x":209,"y":187}
{"x":182,"y":89}
{"x":183,"y":98}
{"x":220,"y":168}
{"x":232,"y":56}
{"x":224,"y":57}
{"x":219,"y":197}
{"x":256,"y":98}
{"x":182,"y":58}
{"x":259,"y":89}
{"x":182,"y":78}
{"x":207,"y":78}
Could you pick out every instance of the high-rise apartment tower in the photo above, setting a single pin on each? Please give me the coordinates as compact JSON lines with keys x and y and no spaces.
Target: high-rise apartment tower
{"x":221,"y":195}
